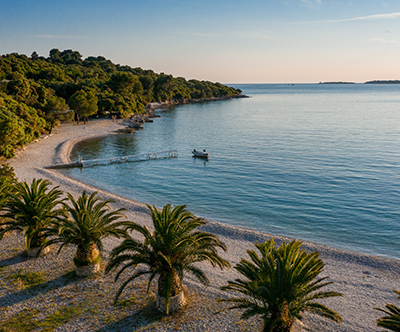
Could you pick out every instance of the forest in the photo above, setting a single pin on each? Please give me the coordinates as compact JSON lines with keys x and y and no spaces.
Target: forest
{"x":37,"y":93}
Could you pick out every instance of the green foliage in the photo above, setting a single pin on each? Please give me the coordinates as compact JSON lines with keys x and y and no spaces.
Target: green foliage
{"x":171,"y":250}
{"x":83,"y":103}
{"x":31,"y":209}
{"x":90,"y":220}
{"x":7,"y":186}
{"x":56,"y":110}
{"x":7,"y":171}
{"x":391,"y":321}
{"x":34,"y":91}
{"x":279,"y":285}
{"x":19,"y":124}
{"x":7,"y":190}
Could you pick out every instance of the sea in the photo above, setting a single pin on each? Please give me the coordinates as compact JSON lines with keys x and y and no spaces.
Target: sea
{"x":316,"y":162}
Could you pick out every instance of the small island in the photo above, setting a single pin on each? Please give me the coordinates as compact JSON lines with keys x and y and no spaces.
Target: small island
{"x":383,"y":82}
{"x":340,"y":82}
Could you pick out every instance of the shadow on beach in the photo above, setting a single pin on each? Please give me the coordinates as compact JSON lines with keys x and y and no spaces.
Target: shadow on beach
{"x":41,"y":289}
{"x":14,"y":260}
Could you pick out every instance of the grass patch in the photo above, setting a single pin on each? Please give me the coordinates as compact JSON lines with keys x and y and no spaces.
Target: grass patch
{"x":109,"y":319}
{"x":23,"y":321}
{"x":26,"y":320}
{"x":60,"y":316}
{"x":28,"y":279}
{"x":128,"y":302}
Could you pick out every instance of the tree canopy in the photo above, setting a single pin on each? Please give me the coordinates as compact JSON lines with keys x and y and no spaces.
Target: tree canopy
{"x":35,"y":92}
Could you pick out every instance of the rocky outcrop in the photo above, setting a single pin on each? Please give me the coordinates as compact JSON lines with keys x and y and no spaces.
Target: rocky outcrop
{"x":136,"y":121}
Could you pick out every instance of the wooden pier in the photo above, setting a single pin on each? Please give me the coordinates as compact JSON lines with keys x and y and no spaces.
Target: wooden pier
{"x":118,"y":160}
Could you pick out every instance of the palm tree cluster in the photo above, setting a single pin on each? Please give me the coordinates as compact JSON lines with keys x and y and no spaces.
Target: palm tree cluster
{"x":279,"y":284}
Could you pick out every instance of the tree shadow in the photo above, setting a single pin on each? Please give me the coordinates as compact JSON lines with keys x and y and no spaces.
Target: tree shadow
{"x":43,"y":288}
{"x":139,"y":319}
{"x":18,"y":258}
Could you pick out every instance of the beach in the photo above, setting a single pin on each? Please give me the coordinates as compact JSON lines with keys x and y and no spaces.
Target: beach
{"x":365,"y":281}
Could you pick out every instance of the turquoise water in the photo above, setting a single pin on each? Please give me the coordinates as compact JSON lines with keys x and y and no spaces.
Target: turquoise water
{"x":316,"y":162}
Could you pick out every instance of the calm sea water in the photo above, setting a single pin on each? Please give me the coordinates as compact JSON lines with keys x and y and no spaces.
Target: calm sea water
{"x":315,"y":162}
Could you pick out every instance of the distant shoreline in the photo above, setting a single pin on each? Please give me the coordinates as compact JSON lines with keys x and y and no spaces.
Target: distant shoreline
{"x":337,"y":83}
{"x":383,"y":82}
{"x":368,"y":82}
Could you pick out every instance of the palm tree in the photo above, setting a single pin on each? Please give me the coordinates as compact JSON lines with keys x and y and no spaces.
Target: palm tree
{"x":280,"y":285}
{"x":31,"y":209}
{"x":90,"y":221}
{"x":392,"y":320}
{"x":172,"y":249}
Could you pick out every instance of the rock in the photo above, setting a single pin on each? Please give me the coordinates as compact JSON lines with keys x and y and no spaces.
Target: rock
{"x":32,"y":252}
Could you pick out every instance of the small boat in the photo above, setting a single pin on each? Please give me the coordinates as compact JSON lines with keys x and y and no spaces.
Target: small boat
{"x":200,"y":154}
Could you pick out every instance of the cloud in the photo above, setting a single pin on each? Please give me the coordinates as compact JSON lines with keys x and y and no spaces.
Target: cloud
{"x":359,"y":18}
{"x":371,"y":17}
{"x":60,"y":37}
{"x":382,"y":40}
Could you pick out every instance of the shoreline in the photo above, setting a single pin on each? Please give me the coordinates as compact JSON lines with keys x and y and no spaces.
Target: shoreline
{"x":366,"y":281}
{"x":164,"y":104}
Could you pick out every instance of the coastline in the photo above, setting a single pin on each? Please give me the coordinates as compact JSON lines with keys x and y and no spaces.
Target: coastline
{"x":366,"y":281}
{"x":160,"y":105}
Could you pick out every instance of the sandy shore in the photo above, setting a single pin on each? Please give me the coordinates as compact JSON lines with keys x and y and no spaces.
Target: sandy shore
{"x":366,"y":281}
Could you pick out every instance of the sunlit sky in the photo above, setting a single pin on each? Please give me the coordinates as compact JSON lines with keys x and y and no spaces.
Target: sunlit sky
{"x":229,"y":41}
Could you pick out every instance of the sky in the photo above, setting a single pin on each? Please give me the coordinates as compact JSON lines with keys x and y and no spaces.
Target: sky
{"x":227,"y":41}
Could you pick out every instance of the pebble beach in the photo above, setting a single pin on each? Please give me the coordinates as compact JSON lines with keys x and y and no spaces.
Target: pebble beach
{"x":366,"y":282}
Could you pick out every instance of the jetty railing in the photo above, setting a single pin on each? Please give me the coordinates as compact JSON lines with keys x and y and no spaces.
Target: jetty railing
{"x":118,"y":160}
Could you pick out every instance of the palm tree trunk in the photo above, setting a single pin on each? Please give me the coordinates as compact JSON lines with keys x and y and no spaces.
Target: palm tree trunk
{"x":87,"y":260}
{"x":164,"y":282}
{"x":37,"y":240}
{"x":282,"y":328}
{"x":277,"y":327}
{"x":33,"y":247}
{"x":280,"y":321}
{"x":170,"y":295}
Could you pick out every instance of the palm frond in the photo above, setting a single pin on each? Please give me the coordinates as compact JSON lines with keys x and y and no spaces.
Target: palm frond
{"x":392,"y":319}
{"x":280,"y":283}
{"x":172,"y":249}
